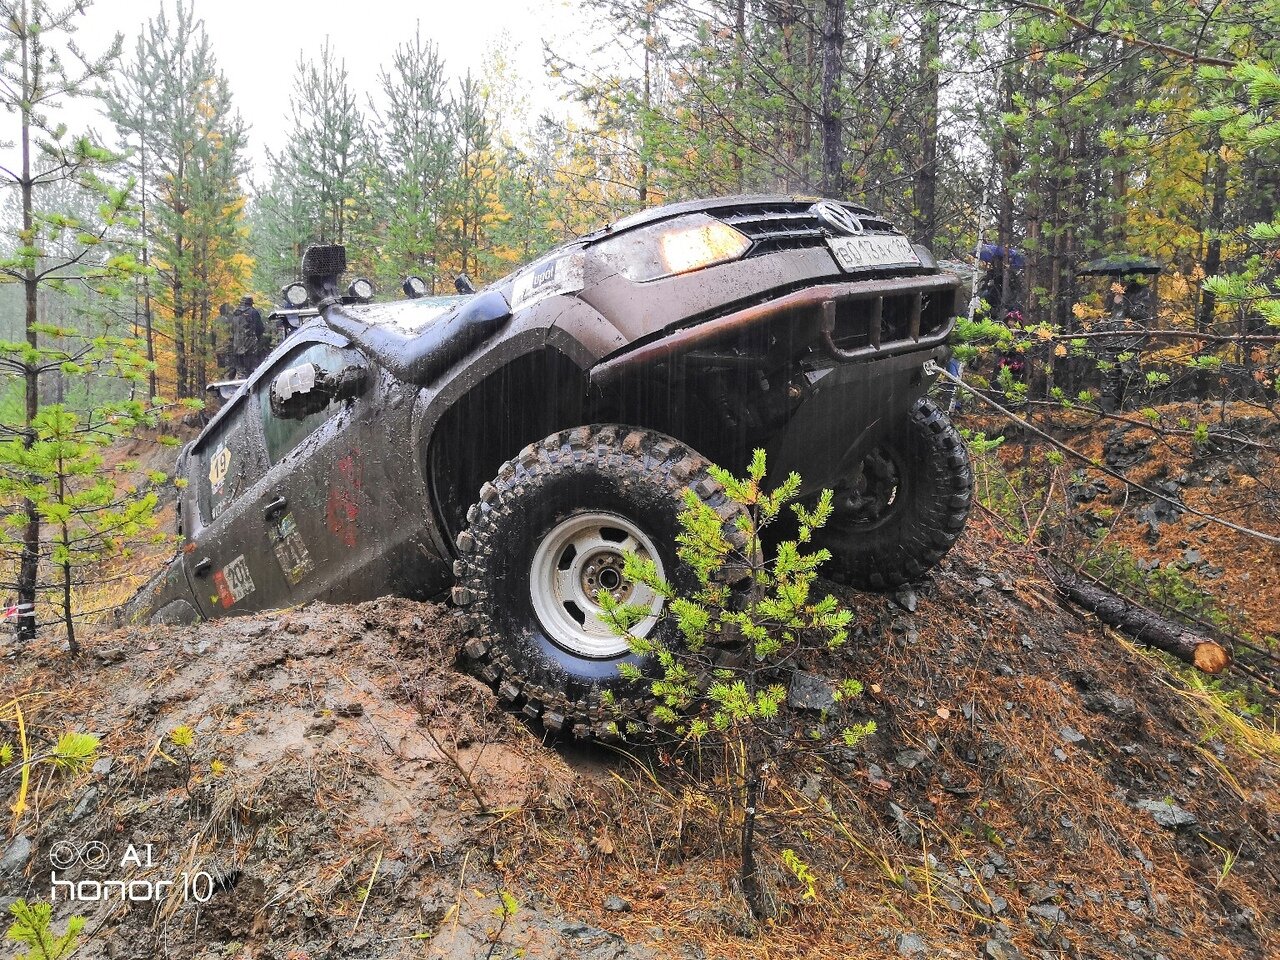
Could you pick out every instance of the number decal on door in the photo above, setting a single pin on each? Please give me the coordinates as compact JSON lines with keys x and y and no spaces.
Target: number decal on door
{"x":233,"y":582}
{"x":218,"y":465}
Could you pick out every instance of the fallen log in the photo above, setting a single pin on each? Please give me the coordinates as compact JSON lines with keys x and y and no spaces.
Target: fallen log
{"x":1145,"y":626}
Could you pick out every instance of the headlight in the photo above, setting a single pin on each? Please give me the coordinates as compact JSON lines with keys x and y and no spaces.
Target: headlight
{"x":295,"y":294}
{"x":360,"y":289}
{"x":686,"y":243}
{"x":414,"y":287}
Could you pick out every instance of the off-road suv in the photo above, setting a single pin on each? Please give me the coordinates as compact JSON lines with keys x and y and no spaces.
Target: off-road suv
{"x":516,"y":443}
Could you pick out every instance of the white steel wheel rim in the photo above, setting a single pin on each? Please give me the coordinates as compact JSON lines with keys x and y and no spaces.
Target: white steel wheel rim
{"x":578,"y":557}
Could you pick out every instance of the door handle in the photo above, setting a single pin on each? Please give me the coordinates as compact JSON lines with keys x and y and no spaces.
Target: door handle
{"x":274,"y":507}
{"x":203,"y":567}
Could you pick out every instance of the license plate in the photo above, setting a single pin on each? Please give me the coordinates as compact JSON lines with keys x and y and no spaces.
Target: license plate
{"x":859,"y":253}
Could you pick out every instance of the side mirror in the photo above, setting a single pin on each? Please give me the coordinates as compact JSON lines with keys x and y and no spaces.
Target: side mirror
{"x":223,"y":389}
{"x":298,"y":392}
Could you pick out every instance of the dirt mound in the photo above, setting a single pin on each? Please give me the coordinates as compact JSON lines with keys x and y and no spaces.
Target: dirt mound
{"x":332,"y":787}
{"x":317,"y":783}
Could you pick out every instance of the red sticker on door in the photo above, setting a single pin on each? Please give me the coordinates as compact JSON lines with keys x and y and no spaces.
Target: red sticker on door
{"x":343,"y":507}
{"x":233,"y":582}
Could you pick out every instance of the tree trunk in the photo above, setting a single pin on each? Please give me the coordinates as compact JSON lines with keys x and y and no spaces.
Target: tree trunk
{"x":832,"y":56}
{"x":72,"y":645}
{"x":1212,"y":259}
{"x":643,"y":186}
{"x":146,"y":279}
{"x":1007,"y":168}
{"x":927,"y":175}
{"x":29,"y":565}
{"x":750,"y":875}
{"x":179,"y":329}
{"x":791,"y":124}
{"x":1213,"y":249}
{"x":1146,"y":627}
{"x":739,"y":66}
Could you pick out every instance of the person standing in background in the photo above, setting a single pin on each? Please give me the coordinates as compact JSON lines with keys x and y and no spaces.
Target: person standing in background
{"x":247,"y":343}
{"x":1131,"y":308}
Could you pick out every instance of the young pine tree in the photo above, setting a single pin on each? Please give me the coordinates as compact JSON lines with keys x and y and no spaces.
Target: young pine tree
{"x":736,"y":710}
{"x":415,"y":161}
{"x":49,"y":251}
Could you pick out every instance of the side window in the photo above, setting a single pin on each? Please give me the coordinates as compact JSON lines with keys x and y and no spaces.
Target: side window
{"x":283,"y":435}
{"x":224,"y":466}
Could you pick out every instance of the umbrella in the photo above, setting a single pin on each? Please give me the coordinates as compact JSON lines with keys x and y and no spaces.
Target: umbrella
{"x":990,"y":252}
{"x":1119,"y":265}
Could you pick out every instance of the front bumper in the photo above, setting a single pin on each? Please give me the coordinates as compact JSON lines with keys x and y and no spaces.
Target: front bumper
{"x":851,"y":410}
{"x":862,"y":348}
{"x":853,"y":322}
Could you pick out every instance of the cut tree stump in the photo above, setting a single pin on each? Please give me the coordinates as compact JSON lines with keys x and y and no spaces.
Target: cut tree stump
{"x":1143,"y":625}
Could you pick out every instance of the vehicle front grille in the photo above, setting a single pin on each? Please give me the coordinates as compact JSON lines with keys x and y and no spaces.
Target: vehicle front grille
{"x":856,"y":320}
{"x":787,"y":225}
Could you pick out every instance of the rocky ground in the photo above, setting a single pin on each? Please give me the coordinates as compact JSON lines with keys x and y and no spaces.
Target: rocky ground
{"x":334,"y":787}
{"x":1230,"y":471}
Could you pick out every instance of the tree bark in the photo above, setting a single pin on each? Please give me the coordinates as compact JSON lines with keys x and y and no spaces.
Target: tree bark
{"x":643,"y":186}
{"x":1213,"y":249}
{"x":1007,"y":165}
{"x":146,"y":277}
{"x":1149,"y":629}
{"x":791,"y":133}
{"x":927,"y":175}
{"x":29,"y":565}
{"x":832,"y":55}
{"x":750,"y":874}
{"x":1212,"y":257}
{"x":72,"y":645}
{"x":739,"y":66}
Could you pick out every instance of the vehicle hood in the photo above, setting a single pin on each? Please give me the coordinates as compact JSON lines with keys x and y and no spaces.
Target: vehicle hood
{"x":409,"y":317}
{"x":707,"y":205}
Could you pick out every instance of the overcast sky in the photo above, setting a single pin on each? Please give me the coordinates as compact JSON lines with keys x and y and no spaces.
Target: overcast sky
{"x":257,"y":43}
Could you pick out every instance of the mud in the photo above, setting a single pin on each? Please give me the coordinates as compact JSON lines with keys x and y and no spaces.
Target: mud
{"x":334,"y":751}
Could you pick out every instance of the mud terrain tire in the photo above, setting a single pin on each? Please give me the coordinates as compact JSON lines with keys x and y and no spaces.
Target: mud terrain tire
{"x":934,"y":487}
{"x":638,"y":477}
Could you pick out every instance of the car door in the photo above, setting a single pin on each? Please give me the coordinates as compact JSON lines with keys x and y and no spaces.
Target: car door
{"x":323,"y":533}
{"x":228,"y":556}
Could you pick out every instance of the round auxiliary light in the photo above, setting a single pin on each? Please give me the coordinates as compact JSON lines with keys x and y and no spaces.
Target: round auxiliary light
{"x":414,"y":287}
{"x":360,"y":289}
{"x":295,"y":294}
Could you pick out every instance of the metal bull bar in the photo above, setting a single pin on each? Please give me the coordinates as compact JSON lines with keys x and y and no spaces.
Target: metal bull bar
{"x":823,"y":297}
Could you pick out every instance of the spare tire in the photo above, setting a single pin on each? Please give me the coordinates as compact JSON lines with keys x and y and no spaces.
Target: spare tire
{"x":906,"y":508}
{"x":547,"y":534}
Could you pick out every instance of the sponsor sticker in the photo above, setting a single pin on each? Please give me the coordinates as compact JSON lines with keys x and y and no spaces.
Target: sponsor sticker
{"x":219,"y":465}
{"x":290,"y":550}
{"x":546,"y":279}
{"x":225,"y":474}
{"x":233,"y":582}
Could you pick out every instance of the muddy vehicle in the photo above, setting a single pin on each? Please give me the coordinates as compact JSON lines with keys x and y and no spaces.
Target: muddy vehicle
{"x":514,"y":444}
